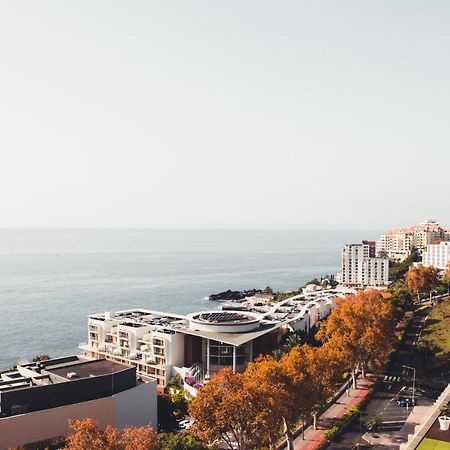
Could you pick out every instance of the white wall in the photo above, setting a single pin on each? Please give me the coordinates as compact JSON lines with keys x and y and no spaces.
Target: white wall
{"x":175,"y":350}
{"x":137,"y":407}
{"x":437,"y":255}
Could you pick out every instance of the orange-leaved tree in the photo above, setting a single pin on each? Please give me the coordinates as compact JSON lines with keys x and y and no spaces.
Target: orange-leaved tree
{"x":421,"y":279}
{"x":88,"y":435}
{"x":273,"y":387}
{"x":223,"y":410}
{"x":359,"y":331}
{"x":139,"y":438}
{"x":321,"y":367}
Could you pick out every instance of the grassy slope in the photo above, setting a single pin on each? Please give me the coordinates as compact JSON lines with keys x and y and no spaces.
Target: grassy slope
{"x":437,"y":330}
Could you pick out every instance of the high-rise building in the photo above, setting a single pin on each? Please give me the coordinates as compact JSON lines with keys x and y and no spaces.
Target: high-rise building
{"x":437,"y":255}
{"x":360,"y":266}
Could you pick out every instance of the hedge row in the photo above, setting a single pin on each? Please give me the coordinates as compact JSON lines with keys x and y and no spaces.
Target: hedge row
{"x":341,"y":423}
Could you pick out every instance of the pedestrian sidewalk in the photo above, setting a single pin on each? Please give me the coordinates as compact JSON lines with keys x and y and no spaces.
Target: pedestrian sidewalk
{"x":313,"y":438}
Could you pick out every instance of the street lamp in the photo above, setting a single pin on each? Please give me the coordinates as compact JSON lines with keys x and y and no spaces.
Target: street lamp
{"x":414,"y":379}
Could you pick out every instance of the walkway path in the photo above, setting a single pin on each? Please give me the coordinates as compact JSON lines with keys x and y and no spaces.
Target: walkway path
{"x":315,"y":437}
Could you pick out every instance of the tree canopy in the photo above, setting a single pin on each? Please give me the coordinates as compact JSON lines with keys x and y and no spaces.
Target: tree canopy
{"x":88,"y":435}
{"x":254,"y":408}
{"x":360,"y":330}
{"x":269,"y":398}
{"x":180,"y":441}
{"x":223,"y":410}
{"x":421,"y":279}
{"x":397,"y":270}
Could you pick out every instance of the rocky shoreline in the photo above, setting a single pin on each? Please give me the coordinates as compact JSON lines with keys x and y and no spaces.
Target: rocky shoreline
{"x":233,"y":295}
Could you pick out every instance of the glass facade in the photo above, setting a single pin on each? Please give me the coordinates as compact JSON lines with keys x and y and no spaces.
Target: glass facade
{"x":222,"y":354}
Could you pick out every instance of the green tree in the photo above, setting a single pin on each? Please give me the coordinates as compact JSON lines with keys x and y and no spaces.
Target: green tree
{"x":397,"y":270}
{"x":181,"y":441}
{"x":175,"y":382}
{"x":401,"y":296}
{"x":291,"y":341}
{"x":373,"y":422}
{"x":180,"y":403}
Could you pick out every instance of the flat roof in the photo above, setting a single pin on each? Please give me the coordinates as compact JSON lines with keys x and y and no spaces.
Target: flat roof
{"x":234,"y":338}
{"x":284,"y":312}
{"x":224,"y":317}
{"x":88,"y":369}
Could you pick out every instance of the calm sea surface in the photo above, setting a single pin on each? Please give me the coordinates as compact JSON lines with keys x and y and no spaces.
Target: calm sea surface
{"x":51,"y":280}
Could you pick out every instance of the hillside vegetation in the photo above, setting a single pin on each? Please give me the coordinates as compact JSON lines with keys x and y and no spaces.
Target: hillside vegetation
{"x":437,"y":331}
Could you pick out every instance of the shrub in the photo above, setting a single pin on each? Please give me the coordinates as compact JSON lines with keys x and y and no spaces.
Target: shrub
{"x":341,"y":423}
{"x":372,"y":422}
{"x":180,"y":441}
{"x":332,"y":433}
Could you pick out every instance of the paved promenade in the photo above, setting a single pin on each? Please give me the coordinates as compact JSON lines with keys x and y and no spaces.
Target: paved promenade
{"x":315,"y":437}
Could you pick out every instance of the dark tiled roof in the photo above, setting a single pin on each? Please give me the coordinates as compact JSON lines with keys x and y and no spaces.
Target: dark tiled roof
{"x":89,"y":368}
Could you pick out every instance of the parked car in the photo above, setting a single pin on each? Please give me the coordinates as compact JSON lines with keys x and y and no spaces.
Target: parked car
{"x":185,"y":423}
{"x":406,"y":402}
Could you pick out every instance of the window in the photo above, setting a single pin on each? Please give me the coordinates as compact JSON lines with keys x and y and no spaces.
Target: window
{"x":222,"y":354}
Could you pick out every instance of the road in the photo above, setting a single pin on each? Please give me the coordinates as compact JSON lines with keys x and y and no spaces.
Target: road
{"x":384,"y":404}
{"x":395,"y":384}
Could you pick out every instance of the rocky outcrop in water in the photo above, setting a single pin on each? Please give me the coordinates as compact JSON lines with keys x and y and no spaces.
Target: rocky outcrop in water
{"x":233,"y":295}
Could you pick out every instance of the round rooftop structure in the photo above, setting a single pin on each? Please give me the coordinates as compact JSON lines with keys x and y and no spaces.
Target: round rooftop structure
{"x":224,"y":321}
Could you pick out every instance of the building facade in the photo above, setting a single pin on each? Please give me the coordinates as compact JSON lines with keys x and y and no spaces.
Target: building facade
{"x":38,"y":400}
{"x":416,"y":236}
{"x":437,"y":255}
{"x":361,"y":268}
{"x":198,"y":345}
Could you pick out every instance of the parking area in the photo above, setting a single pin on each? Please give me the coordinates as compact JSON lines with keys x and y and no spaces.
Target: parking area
{"x":395,"y":411}
{"x":393,"y":403}
{"x":399,"y":402}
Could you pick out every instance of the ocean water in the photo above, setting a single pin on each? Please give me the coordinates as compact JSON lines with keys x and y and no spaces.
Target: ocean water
{"x":51,"y":280}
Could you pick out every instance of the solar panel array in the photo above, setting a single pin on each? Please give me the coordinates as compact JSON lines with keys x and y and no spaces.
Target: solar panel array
{"x":218,"y":317}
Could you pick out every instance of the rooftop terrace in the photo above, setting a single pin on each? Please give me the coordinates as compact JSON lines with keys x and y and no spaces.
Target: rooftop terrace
{"x":56,"y":371}
{"x":86,"y":369}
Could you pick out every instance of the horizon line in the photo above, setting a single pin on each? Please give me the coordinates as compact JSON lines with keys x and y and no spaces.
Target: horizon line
{"x":149,"y":228}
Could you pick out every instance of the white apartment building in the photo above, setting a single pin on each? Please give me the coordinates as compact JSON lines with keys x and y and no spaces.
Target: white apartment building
{"x":361,"y":268}
{"x":415,"y":236}
{"x":375,"y":271}
{"x":200,"y":344}
{"x":437,"y":255}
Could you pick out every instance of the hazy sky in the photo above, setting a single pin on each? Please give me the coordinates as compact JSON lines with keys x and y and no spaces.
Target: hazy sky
{"x":240,"y":114}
